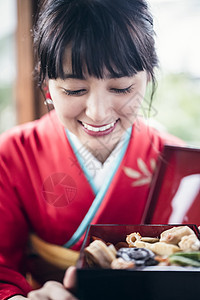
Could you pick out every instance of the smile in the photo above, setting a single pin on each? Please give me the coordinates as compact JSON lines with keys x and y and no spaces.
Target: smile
{"x":95,"y":130}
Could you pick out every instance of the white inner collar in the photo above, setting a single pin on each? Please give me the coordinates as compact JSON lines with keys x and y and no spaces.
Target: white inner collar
{"x":97,"y":171}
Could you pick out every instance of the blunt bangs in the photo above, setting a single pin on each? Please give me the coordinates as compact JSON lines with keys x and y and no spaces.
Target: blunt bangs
{"x":116,"y":36}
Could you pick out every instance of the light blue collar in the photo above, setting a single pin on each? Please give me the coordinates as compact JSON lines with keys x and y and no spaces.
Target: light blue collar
{"x":82,"y":162}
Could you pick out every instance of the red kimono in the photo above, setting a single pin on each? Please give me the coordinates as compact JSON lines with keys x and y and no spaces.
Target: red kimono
{"x":44,"y":190}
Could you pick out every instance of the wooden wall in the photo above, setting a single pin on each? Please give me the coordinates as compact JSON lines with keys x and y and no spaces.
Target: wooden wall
{"x":29,"y":100}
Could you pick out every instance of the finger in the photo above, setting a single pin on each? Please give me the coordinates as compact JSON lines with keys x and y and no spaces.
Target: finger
{"x":51,"y":290}
{"x":69,"y":280}
{"x":56,"y":291}
{"x":37,"y":295}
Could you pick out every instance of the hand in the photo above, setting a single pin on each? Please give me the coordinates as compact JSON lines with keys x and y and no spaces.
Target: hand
{"x":53,"y":290}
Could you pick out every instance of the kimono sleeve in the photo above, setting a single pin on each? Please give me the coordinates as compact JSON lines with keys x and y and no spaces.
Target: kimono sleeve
{"x":13,"y":237}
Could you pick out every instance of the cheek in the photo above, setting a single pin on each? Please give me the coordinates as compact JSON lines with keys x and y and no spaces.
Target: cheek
{"x":67,"y":108}
{"x":67,"y":114}
{"x":130,"y":106}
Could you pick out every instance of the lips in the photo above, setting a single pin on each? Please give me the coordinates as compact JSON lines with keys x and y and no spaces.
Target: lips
{"x":95,"y":130}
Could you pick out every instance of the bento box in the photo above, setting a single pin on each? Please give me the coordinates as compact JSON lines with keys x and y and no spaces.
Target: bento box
{"x":141,"y":284}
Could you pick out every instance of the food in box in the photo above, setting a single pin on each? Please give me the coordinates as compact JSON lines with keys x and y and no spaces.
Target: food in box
{"x":139,"y":281}
{"x":178,"y":245}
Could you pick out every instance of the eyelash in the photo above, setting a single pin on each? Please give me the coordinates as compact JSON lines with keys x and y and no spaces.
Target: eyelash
{"x":117,"y":91}
{"x":123,"y":91}
{"x":73,"y":93}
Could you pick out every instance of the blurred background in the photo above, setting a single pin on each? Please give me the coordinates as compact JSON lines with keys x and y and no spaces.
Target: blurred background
{"x":176,"y":105}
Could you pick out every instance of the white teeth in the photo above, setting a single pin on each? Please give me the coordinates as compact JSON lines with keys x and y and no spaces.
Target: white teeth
{"x":97,"y":129}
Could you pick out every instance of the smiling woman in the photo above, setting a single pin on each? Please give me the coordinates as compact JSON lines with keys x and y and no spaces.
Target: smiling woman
{"x":72,"y":167}
{"x":74,"y":62}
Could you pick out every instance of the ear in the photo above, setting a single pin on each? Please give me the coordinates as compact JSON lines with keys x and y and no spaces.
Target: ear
{"x":46,"y":90}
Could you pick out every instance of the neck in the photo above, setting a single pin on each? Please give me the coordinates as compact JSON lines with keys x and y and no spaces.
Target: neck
{"x":101,"y":154}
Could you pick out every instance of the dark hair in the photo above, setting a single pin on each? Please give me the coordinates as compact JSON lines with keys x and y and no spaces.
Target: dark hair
{"x":116,"y":35}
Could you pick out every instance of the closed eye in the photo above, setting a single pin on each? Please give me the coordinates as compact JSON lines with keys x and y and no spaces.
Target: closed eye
{"x":123,"y":91}
{"x":75,"y":92}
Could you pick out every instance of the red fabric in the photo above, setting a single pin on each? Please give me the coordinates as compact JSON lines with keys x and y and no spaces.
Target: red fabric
{"x":44,"y":190}
{"x":13,"y":283}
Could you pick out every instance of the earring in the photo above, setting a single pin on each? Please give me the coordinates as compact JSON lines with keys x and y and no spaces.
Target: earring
{"x":48,"y":99}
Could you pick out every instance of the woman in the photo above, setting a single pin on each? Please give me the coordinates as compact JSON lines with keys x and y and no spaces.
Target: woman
{"x":91,"y":159}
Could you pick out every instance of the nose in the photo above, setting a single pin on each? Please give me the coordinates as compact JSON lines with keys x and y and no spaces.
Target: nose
{"x":98,"y":107}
